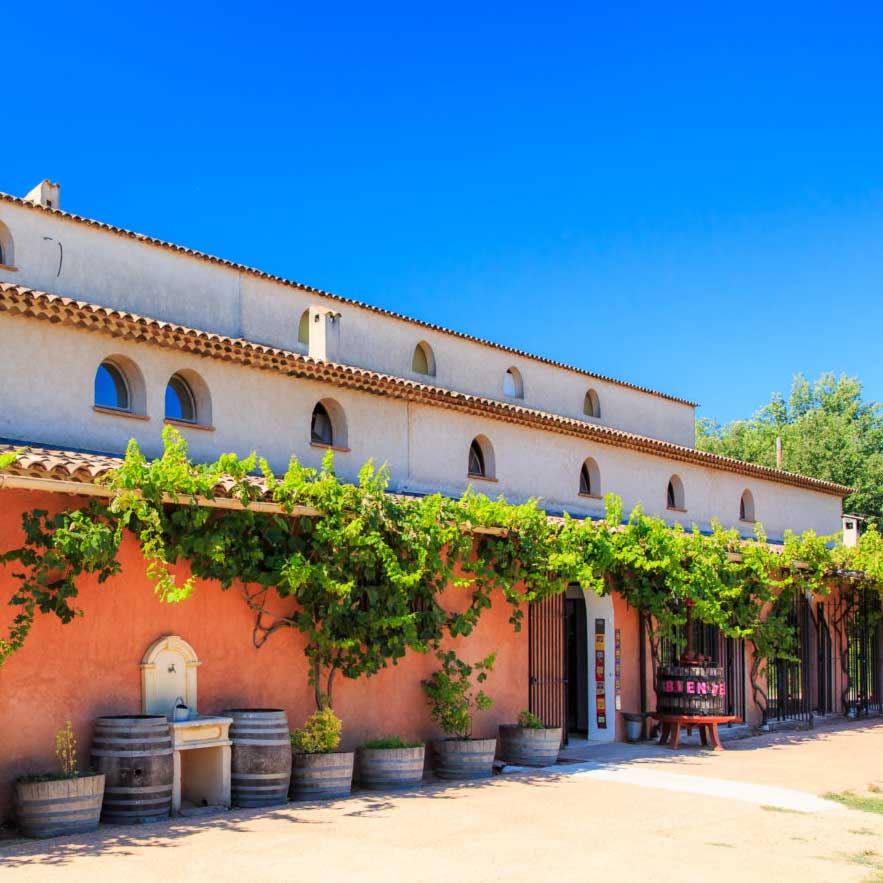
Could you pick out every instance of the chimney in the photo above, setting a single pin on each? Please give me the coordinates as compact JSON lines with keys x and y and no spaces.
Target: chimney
{"x":850,"y":530}
{"x":45,"y":194}
{"x":324,"y":334}
{"x":778,"y":452}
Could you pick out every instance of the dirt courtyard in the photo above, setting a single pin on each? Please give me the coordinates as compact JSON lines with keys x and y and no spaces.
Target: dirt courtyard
{"x":629,"y":813}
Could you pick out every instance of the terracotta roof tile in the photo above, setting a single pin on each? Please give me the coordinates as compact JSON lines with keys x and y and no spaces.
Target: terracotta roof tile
{"x":18,"y":301}
{"x":242,"y":268}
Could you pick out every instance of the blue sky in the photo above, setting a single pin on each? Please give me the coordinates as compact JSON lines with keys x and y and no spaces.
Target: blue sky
{"x":682,"y":196}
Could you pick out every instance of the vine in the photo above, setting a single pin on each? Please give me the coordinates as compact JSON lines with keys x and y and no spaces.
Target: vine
{"x":366,"y":575}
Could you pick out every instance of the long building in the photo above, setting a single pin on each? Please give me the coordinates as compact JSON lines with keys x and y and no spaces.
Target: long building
{"x":109,"y":335}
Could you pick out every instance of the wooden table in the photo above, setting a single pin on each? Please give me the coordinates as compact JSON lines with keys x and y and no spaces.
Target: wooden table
{"x":670,"y":728}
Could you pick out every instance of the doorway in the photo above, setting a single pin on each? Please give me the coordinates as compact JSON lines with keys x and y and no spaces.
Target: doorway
{"x":576,"y":665}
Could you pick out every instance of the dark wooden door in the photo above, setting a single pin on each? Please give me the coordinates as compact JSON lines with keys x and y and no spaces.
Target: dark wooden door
{"x":547,"y":673}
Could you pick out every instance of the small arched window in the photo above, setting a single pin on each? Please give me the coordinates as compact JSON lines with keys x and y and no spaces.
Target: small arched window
{"x":746,"y":506}
{"x":423,"y":361}
{"x":481,"y":458}
{"x":180,"y":401}
{"x":328,"y":425}
{"x":111,"y":387}
{"x":513,"y":386}
{"x":675,"y":493}
{"x":303,"y":328}
{"x":321,"y":430}
{"x":590,"y":479}
{"x":591,"y":404}
{"x":6,"y":254}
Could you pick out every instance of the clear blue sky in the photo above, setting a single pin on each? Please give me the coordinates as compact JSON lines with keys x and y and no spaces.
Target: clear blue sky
{"x":682,"y":196}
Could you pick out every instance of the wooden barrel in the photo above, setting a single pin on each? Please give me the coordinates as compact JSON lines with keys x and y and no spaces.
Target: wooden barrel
{"x":260,"y":769}
{"x":388,"y":768}
{"x":321,"y":776}
{"x":694,"y":690}
{"x":464,"y":758}
{"x":135,"y":754}
{"x":526,"y":746}
{"x":59,"y":806}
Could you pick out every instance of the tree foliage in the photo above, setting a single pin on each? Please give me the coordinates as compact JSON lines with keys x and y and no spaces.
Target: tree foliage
{"x":828,"y":431}
{"x":366,"y":576}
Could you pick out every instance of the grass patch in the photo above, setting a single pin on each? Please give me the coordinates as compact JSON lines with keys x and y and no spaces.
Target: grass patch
{"x":793,"y":812}
{"x":725,"y":845}
{"x":857,"y":801}
{"x":388,"y":742}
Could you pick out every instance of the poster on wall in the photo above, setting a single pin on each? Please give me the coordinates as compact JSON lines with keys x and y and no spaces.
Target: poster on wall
{"x":600,"y":697}
{"x":617,"y":667}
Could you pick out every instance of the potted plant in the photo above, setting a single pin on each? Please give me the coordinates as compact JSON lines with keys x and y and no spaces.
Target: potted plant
{"x":63,"y":802}
{"x":529,"y":742}
{"x":391,"y":762}
{"x":318,"y":770}
{"x":453,"y":700}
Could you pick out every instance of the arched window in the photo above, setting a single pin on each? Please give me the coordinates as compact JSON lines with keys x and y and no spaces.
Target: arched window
{"x":6,"y":253}
{"x":423,"y":361}
{"x":321,"y":430}
{"x":512,"y":384}
{"x":303,"y":328}
{"x":180,"y":401}
{"x":111,"y":387}
{"x":590,"y":479}
{"x":675,"y":493}
{"x":746,"y":506}
{"x":591,"y":404}
{"x":328,"y":425}
{"x":481,"y":458}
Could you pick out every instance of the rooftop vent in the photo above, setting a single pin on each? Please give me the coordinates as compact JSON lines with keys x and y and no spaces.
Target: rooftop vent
{"x":45,"y":194}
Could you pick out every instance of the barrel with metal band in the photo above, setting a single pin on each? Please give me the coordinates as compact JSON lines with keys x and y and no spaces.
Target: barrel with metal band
{"x":691,"y":689}
{"x":135,"y":754}
{"x":261,"y":763}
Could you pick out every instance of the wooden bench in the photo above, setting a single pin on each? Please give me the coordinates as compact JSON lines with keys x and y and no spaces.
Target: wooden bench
{"x":670,"y":728}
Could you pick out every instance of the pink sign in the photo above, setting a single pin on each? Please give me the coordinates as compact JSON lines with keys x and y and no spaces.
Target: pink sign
{"x":696,"y":688}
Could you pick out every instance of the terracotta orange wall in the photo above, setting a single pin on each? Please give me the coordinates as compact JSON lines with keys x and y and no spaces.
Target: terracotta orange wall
{"x":90,"y":666}
{"x":626,"y":620}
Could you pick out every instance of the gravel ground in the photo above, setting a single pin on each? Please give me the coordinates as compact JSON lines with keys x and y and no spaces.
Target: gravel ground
{"x":538,"y":826}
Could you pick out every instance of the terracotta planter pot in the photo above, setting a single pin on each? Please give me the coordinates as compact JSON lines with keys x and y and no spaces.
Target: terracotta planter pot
{"x":59,"y":806}
{"x":391,"y":767}
{"x":321,"y":776}
{"x":526,"y":746}
{"x":464,"y":758}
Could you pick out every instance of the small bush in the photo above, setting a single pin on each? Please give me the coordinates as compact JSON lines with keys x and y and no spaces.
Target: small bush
{"x":529,"y":721}
{"x":452,"y":697}
{"x":66,"y":751}
{"x":391,"y":742}
{"x":320,"y":733}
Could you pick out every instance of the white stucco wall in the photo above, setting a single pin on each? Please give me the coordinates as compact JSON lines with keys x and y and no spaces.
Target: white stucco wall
{"x":128,"y":274}
{"x":47,"y":397}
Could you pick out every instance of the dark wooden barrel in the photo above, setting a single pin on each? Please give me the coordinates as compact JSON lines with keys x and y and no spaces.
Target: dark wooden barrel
{"x":526,"y":746}
{"x":464,"y":758}
{"x":391,"y":768}
{"x":135,"y":754}
{"x":322,"y":776}
{"x":260,"y":770}
{"x":59,"y":806}
{"x":691,"y":690}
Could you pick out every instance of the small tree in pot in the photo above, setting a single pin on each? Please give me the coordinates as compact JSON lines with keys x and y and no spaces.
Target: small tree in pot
{"x":318,"y":770}
{"x":530,"y":742}
{"x":453,"y":700}
{"x":63,"y":802}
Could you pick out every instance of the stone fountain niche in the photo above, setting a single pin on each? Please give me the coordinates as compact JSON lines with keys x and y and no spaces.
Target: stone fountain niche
{"x":201,"y":744}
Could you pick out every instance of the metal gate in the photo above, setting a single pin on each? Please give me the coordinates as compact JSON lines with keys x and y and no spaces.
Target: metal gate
{"x":546,"y":665}
{"x":727,"y":653}
{"x":824,"y":703}
{"x":788,"y":681}
{"x":863,"y":656}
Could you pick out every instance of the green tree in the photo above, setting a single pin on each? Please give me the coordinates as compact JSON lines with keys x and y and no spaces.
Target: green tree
{"x":828,"y":431}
